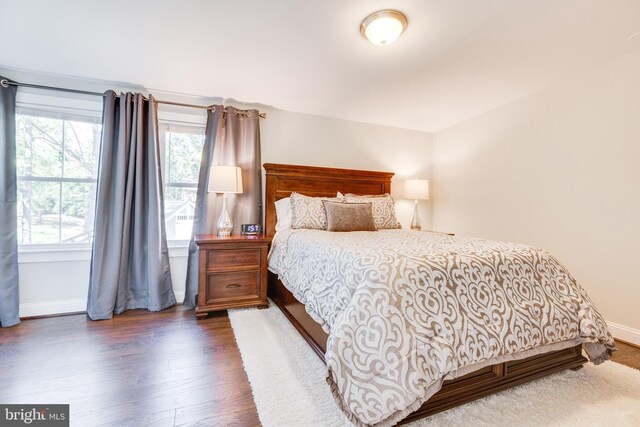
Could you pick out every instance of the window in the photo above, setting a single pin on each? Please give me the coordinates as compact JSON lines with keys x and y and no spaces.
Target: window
{"x":182,"y":153}
{"x":57,"y":164}
{"x":57,"y":158}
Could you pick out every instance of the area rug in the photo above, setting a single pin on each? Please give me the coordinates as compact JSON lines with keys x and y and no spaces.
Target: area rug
{"x":288,"y":384}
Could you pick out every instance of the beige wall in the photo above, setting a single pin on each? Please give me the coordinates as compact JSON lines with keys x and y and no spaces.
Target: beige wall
{"x":559,"y":169}
{"x":304,"y":139}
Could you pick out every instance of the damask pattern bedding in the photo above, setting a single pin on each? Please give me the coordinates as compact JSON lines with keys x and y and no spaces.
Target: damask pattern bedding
{"x":406,"y":310}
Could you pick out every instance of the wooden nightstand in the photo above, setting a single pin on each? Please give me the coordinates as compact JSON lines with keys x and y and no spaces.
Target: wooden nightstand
{"x":232,"y":272}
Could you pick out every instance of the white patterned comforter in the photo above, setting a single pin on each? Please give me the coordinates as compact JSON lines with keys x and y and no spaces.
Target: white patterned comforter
{"x":406,"y":310}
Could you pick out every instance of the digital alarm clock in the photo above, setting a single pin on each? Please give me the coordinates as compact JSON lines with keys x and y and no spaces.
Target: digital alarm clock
{"x":249,"y":229}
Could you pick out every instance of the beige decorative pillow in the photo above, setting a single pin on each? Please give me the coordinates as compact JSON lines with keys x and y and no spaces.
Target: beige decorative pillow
{"x":308,"y":212}
{"x":383,"y":207}
{"x":349,"y":216}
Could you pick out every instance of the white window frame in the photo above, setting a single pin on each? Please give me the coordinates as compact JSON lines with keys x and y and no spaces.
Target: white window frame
{"x":168,"y":114}
{"x":64,"y":116}
{"x":163,"y":147}
{"x":34,"y":101}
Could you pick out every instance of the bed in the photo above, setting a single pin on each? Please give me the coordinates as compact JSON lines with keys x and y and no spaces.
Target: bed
{"x":281,"y":181}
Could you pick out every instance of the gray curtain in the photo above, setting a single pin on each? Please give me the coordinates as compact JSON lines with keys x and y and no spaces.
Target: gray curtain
{"x":130,"y":259}
{"x":9,"y":296}
{"x":232,"y":137}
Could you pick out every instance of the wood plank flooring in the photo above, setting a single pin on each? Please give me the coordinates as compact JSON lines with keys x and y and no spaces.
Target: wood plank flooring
{"x":139,"y":369}
{"x":627,"y":355}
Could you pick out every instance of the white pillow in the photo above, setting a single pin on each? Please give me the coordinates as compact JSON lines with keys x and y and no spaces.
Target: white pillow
{"x":283,"y":214}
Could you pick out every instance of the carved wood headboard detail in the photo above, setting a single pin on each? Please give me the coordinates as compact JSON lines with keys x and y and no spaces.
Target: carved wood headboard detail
{"x":314,"y":181}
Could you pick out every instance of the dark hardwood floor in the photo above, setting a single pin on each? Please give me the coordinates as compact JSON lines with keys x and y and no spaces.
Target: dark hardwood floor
{"x":139,"y":369}
{"x":627,"y":355}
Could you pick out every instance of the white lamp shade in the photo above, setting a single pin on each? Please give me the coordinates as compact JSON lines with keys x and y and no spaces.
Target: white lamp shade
{"x":417,"y":189}
{"x":225,"y":179}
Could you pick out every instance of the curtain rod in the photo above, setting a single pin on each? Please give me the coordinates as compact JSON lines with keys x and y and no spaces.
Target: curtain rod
{"x":7,"y":83}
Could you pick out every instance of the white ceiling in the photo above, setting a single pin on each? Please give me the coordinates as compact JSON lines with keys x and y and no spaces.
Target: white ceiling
{"x":457,"y":59}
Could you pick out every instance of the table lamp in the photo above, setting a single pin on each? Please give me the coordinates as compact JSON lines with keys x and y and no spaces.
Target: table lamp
{"x":417,"y":189}
{"x":225,"y":179}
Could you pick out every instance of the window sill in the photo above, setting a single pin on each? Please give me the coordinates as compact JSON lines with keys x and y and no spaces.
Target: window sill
{"x":69,"y":253}
{"x":53,"y":253}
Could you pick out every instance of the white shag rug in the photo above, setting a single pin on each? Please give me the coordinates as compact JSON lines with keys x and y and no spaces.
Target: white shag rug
{"x":289,"y":388}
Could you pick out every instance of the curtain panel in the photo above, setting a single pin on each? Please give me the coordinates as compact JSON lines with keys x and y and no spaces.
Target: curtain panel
{"x":130,"y":260}
{"x":9,"y":295}
{"x":232,"y":137}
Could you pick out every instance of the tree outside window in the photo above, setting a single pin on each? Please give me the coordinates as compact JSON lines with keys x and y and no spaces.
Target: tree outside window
{"x":182,"y":153}
{"x":57,"y":165}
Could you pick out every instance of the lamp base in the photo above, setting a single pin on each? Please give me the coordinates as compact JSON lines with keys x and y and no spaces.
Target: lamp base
{"x":224,"y":233}
{"x":415,"y":221}
{"x":225,"y":225}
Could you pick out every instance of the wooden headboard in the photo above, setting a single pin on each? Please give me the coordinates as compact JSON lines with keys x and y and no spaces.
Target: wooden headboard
{"x":282,"y":180}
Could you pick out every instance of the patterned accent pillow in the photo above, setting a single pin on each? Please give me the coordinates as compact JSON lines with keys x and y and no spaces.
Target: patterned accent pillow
{"x":383,"y":207}
{"x":308,"y":212}
{"x":349,"y":216}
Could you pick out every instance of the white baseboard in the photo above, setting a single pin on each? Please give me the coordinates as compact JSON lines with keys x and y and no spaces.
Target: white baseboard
{"x":179,"y":296}
{"x":624,"y":333}
{"x":48,"y":308}
{"x":53,"y":307}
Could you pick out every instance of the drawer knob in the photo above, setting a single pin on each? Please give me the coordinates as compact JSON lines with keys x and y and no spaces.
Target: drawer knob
{"x":234,"y":285}
{"x":234,"y":259}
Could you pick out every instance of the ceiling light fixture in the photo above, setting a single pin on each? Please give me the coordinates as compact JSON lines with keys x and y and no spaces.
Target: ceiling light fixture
{"x":383,"y":27}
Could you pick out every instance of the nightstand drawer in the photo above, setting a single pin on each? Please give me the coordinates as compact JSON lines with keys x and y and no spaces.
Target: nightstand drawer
{"x":231,"y":259}
{"x":232,"y":285}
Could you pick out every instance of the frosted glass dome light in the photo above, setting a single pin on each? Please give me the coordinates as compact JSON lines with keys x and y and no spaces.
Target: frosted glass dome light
{"x":383,"y":27}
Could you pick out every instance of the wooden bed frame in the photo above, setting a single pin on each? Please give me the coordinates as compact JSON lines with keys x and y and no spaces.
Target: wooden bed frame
{"x":282,"y":180}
